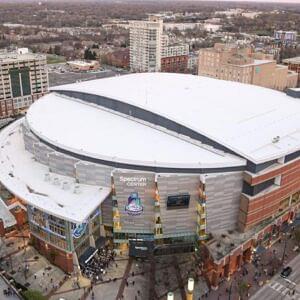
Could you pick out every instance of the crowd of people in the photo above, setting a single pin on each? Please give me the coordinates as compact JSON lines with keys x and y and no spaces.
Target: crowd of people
{"x":95,"y":268}
{"x":8,"y":292}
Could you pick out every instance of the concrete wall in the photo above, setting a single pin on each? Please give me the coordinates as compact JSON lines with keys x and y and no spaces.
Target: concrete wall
{"x":41,"y":153}
{"x":144,"y":184}
{"x":106,"y":212}
{"x":94,"y":174}
{"x":179,"y":220}
{"x":62,"y":164}
{"x":223,"y":192}
{"x":29,"y":140}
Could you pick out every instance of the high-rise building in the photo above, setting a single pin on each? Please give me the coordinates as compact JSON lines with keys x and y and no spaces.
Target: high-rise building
{"x":230,"y":62}
{"x":151,"y":50}
{"x":23,"y":79}
{"x":145,"y":44}
{"x":174,"y":56}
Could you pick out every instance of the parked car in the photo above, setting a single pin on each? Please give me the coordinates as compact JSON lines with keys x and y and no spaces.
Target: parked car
{"x":286,"y":272}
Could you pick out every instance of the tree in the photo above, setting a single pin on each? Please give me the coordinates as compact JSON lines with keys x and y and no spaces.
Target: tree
{"x":50,"y":51}
{"x":33,"y":295}
{"x":89,"y":55}
{"x":57,"y":50}
{"x":242,"y":288}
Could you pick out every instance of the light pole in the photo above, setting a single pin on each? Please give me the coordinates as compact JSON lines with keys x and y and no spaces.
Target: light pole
{"x":284,"y":248}
{"x":190,"y":289}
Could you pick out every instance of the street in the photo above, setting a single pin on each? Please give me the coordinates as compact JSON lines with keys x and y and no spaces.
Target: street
{"x":279,"y":288}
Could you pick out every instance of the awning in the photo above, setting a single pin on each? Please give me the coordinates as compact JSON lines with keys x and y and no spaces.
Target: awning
{"x":88,"y":254}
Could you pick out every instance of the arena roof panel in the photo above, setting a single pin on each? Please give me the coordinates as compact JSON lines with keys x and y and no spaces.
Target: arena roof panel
{"x":243,"y":118}
{"x":25,"y":178}
{"x":95,"y":132}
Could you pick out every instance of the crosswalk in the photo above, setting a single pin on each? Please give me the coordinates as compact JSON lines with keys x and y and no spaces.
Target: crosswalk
{"x":285,"y":290}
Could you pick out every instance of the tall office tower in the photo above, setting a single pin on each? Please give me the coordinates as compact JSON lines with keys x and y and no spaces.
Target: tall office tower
{"x":23,"y":79}
{"x":145,"y":44}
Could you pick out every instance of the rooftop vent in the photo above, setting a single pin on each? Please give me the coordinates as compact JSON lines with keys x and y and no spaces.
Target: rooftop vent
{"x":276,"y":139}
{"x":47,"y":177}
{"x":56,"y":181}
{"x":77,"y":189}
{"x":65,"y":185}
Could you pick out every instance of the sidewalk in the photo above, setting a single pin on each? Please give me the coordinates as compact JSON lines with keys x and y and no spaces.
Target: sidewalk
{"x":256,"y":274}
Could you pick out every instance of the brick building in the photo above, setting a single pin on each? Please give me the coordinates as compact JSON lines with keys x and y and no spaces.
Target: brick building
{"x":293,"y":65}
{"x":230,"y":62}
{"x":119,"y":58}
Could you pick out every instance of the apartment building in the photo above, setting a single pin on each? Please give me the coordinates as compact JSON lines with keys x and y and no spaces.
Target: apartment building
{"x":174,"y":57}
{"x":293,"y":65}
{"x":23,"y":79}
{"x":285,"y":36}
{"x":151,"y":50}
{"x":230,"y":62}
{"x":145,"y":44}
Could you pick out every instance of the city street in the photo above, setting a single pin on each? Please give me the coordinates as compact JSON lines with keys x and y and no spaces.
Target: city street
{"x":280,"y":288}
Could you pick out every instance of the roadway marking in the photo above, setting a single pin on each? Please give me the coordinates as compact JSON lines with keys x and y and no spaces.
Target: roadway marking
{"x":283,"y":290}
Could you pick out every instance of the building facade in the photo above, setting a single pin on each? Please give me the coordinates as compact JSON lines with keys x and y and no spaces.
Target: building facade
{"x":191,"y":183}
{"x":23,"y":79}
{"x":228,"y":62}
{"x":145,"y":44}
{"x":285,"y":36}
{"x":151,"y":50}
{"x":293,"y":65}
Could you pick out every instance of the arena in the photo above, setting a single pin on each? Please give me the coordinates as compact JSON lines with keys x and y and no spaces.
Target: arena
{"x":152,"y":162}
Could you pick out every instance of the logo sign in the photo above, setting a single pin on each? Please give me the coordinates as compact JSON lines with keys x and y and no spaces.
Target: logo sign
{"x":134,"y":181}
{"x":134,"y":206}
{"x":79,"y":230}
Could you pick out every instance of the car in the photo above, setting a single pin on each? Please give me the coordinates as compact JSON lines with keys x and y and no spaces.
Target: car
{"x":286,"y":272}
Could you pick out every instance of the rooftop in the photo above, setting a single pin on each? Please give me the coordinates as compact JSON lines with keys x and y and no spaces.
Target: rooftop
{"x":96,"y":132}
{"x":293,"y":60}
{"x":244,"y":118}
{"x":7,"y":57}
{"x":5,"y":214}
{"x":25,"y":178}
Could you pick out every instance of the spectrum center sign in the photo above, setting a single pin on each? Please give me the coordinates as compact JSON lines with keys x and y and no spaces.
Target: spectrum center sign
{"x":134,"y":181}
{"x":134,"y":205}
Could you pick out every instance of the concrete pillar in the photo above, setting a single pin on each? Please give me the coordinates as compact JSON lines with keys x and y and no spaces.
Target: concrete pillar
{"x":76,"y":264}
{"x":92,"y":241}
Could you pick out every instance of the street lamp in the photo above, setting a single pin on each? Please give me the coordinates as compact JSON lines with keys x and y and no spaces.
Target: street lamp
{"x":170,"y":296}
{"x":284,"y":249}
{"x":190,"y":289}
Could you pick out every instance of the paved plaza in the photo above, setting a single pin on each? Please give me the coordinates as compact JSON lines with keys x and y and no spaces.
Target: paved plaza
{"x":136,"y":279}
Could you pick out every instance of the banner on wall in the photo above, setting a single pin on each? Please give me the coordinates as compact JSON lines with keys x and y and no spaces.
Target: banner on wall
{"x":134,"y":206}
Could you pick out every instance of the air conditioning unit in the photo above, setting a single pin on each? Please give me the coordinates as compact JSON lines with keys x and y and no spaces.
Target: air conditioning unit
{"x":276,"y":139}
